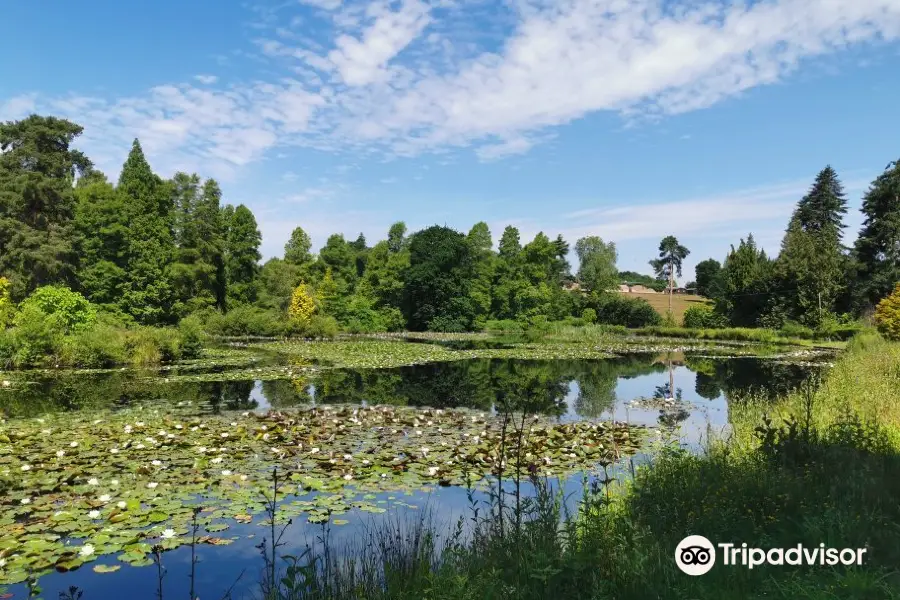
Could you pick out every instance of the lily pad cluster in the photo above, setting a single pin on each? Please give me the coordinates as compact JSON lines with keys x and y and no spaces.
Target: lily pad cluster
{"x":77,"y":486}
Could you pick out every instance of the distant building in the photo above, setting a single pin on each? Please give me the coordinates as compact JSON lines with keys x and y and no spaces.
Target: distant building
{"x":636,"y":288}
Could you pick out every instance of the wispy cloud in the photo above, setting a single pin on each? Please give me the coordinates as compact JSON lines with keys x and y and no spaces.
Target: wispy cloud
{"x":413,"y":76}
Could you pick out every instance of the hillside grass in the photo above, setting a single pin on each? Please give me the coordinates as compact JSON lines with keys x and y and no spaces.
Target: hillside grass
{"x":660,"y":303}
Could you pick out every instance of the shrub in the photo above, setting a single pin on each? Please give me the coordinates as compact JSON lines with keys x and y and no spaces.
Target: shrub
{"x":589,"y":316}
{"x":703,"y":317}
{"x":504,"y":326}
{"x":191,"y":331}
{"x":887,"y":315}
{"x":69,"y":310}
{"x":302,"y":305}
{"x":795,"y":330}
{"x":249,"y":321}
{"x":321,"y":326}
{"x":35,"y":337}
{"x":97,"y":347}
{"x":616,"y":309}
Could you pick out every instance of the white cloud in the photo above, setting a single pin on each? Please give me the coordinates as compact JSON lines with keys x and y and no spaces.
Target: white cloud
{"x":406,"y":77}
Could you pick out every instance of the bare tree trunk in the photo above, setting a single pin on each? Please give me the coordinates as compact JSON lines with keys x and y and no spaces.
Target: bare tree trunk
{"x":671,"y":284}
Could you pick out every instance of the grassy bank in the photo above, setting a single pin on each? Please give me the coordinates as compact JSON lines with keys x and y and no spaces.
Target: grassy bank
{"x":832,"y":478}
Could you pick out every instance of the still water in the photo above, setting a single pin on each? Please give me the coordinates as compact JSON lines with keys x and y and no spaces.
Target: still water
{"x":687,"y":395}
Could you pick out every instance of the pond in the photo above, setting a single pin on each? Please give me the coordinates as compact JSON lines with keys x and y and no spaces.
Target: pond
{"x":97,"y":468}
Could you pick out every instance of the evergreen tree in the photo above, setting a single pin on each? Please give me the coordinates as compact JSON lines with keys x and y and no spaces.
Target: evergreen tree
{"x":242,"y":255}
{"x":822,"y":210}
{"x":296,"y":251}
{"x":878,"y":245}
{"x":671,"y":255}
{"x":745,"y":283}
{"x":479,"y":238}
{"x":397,"y":236}
{"x":147,"y":293}
{"x":38,"y":169}
{"x":101,"y":240}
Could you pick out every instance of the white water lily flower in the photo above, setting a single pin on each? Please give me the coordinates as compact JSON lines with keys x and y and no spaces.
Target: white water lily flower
{"x":573,"y":455}
{"x":216,"y":460}
{"x":3,"y":560}
{"x":348,"y":457}
{"x":105,"y":498}
{"x":150,"y":440}
{"x":97,"y":421}
{"x":314,"y":450}
{"x":245,"y":414}
{"x":152,"y":485}
{"x":94,"y":514}
{"x":93,"y":481}
{"x":140,"y":447}
{"x":179,"y":427}
{"x":74,"y":444}
{"x":128,"y":429}
{"x":25,"y":501}
{"x":265,"y":437}
{"x":6,"y":383}
{"x":424,"y":450}
{"x":114,"y":482}
{"x":113,"y":450}
{"x":224,"y":434}
{"x":168,"y":534}
{"x":201,"y":449}
{"x":432,"y":471}
{"x":26,"y":467}
{"x":194,"y":428}
{"x":46,"y":431}
{"x":348,"y":477}
{"x":139,"y":423}
{"x":226,"y":472}
{"x":161,"y":432}
{"x":86,"y":550}
{"x":156,"y":463}
{"x":170,"y":436}
{"x":243,"y":478}
{"x":122,"y":505}
{"x":366,"y":461}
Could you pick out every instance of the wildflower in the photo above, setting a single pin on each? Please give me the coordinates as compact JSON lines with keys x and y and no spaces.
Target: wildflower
{"x":152,"y":485}
{"x":94,"y":514}
{"x":168,"y":534}
{"x":86,"y":550}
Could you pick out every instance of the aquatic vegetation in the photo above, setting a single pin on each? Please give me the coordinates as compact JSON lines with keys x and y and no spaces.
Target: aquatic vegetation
{"x":75,"y":487}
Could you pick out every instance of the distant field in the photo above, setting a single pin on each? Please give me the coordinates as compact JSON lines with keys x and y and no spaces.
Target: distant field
{"x":680,"y":302}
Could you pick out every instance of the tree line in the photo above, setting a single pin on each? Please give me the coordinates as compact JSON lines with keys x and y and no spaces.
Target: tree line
{"x":151,"y":251}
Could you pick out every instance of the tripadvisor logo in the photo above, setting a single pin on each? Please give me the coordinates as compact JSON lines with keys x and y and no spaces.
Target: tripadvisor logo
{"x":696,"y":555}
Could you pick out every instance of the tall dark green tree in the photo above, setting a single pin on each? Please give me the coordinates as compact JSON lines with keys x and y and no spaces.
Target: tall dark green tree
{"x":706,"y":275}
{"x":397,"y":236}
{"x":147,"y":293}
{"x":38,"y":168}
{"x":479,"y":238}
{"x":745,"y":284}
{"x":102,"y":240}
{"x":242,"y":254}
{"x":296,"y":251}
{"x":877,"y":249}
{"x":822,"y":209}
{"x":437,"y":291}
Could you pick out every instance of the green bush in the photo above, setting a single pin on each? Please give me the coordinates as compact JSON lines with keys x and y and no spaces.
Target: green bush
{"x":97,"y":347}
{"x":68,"y":310}
{"x":703,"y":317}
{"x":887,"y":315}
{"x":617,"y":309}
{"x":321,"y":326}
{"x":36,"y":337}
{"x":244,"y":321}
{"x":191,"y":331}
{"x":796,"y":330}
{"x":589,"y":316}
{"x":504,"y":326}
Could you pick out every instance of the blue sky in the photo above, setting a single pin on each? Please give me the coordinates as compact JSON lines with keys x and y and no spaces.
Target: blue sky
{"x":628,"y":119}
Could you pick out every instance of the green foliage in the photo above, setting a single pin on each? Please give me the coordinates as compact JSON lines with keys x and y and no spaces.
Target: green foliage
{"x":437,"y":292}
{"x":64,"y":309}
{"x":745,"y":284}
{"x":7,"y":308}
{"x":296,"y":251}
{"x":671,"y":256}
{"x":96,"y":347}
{"x":589,"y":316}
{"x":877,"y":248}
{"x":242,"y":255}
{"x":618,"y":309}
{"x":193,"y":338}
{"x":887,"y":315}
{"x":641,"y":279}
{"x":302,"y":305}
{"x":703,"y":317}
{"x":597,"y":264}
{"x":246,"y":321}
{"x":707,"y":274}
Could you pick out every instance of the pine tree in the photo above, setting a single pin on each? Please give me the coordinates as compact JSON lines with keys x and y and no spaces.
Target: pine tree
{"x":822,"y":210}
{"x":745,"y":284}
{"x":878,"y":245}
{"x":296,"y":251}
{"x":147,"y":292}
{"x":38,"y":169}
{"x":101,"y":240}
